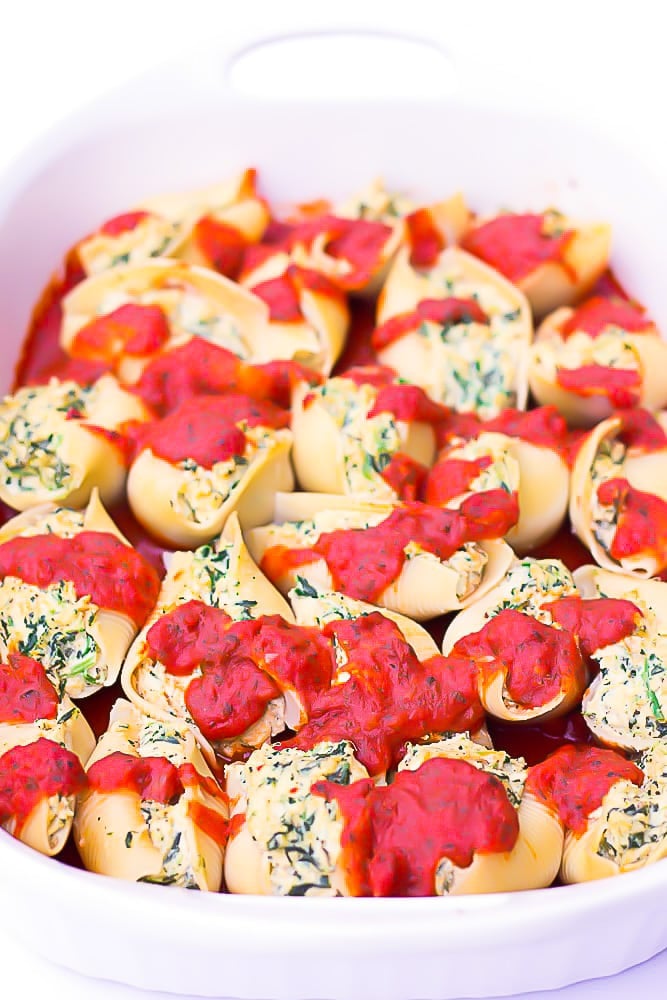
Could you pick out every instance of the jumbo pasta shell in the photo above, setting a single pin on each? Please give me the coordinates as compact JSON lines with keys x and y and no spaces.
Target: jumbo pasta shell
{"x":61,"y":460}
{"x":155,"y":485}
{"x":646,"y":472}
{"x":316,"y":434}
{"x":227,"y":314}
{"x":532,"y":863}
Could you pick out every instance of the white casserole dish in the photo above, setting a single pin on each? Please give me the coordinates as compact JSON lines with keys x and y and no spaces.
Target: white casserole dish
{"x":177,"y":128}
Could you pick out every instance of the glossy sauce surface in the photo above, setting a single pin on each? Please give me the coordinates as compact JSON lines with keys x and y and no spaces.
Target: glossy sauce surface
{"x":395,"y":836}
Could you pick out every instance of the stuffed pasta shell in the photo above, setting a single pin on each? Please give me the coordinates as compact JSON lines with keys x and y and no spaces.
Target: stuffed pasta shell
{"x":618,"y":495}
{"x":414,"y":559}
{"x":222,"y":577}
{"x":39,"y":784}
{"x":376,"y":434}
{"x":46,"y":737}
{"x":527,"y":585}
{"x":285,"y":841}
{"x":73,"y":594}
{"x":131,"y":313}
{"x":445,"y":827}
{"x":354,"y":243}
{"x":591,"y":360}
{"x":61,"y":440}
{"x":210,"y":226}
{"x":625,"y":706}
{"x":458,"y":329}
{"x":535,"y":858}
{"x":614,"y":812}
{"x":523,"y":454}
{"x":532,"y":652}
{"x":308,"y":317}
{"x":209,"y":457}
{"x":152,"y":811}
{"x":552,"y":258}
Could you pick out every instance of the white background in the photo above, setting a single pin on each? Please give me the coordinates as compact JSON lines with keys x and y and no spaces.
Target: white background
{"x":601,"y":62}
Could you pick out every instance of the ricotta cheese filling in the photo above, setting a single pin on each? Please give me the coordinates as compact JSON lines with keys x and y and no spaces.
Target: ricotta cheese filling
{"x":472,"y":368}
{"x":633,"y":820}
{"x":607,"y":464}
{"x":299,"y":834}
{"x":149,"y":238}
{"x":204,"y":491}
{"x":32,"y":425}
{"x":628,"y":698}
{"x":610,"y":350}
{"x":367,"y":443}
{"x":511,"y":771}
{"x":531,"y":583}
{"x":56,"y":628}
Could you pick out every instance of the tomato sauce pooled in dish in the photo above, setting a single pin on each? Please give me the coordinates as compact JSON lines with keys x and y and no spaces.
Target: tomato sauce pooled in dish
{"x":574,"y":780}
{"x":26,"y":693}
{"x":516,"y":245}
{"x":98,"y":565}
{"x":384,"y":695}
{"x":394,"y":837}
{"x":364,"y":562}
{"x":34,"y":772}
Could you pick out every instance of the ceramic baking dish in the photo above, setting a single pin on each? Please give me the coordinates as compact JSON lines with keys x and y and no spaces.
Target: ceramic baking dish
{"x":180,"y":127}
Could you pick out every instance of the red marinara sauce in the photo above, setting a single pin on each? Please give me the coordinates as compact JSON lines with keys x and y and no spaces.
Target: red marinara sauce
{"x":406,"y":476}
{"x":447,"y":313}
{"x":283,"y":294}
{"x":574,"y":780}
{"x":222,"y":246}
{"x":124,"y":223}
{"x":364,"y":562}
{"x":187,"y":636}
{"x":112,"y":574}
{"x":26,"y":693}
{"x":205,"y":428}
{"x":134,"y":329}
{"x":641,"y":524}
{"x":641,"y":431}
{"x":622,"y":386}
{"x":154,"y":778}
{"x":543,"y":427}
{"x":425,"y":238}
{"x":597,"y":622}
{"x":516,"y":245}
{"x":395,"y":836}
{"x":598,"y":314}
{"x":539,"y":662}
{"x":34,"y":772}
{"x":200,"y":368}
{"x":452,"y":477}
{"x":387,"y":695}
{"x":407,"y":403}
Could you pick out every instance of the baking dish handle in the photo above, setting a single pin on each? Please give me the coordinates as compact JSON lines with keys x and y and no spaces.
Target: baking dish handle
{"x":341,"y":64}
